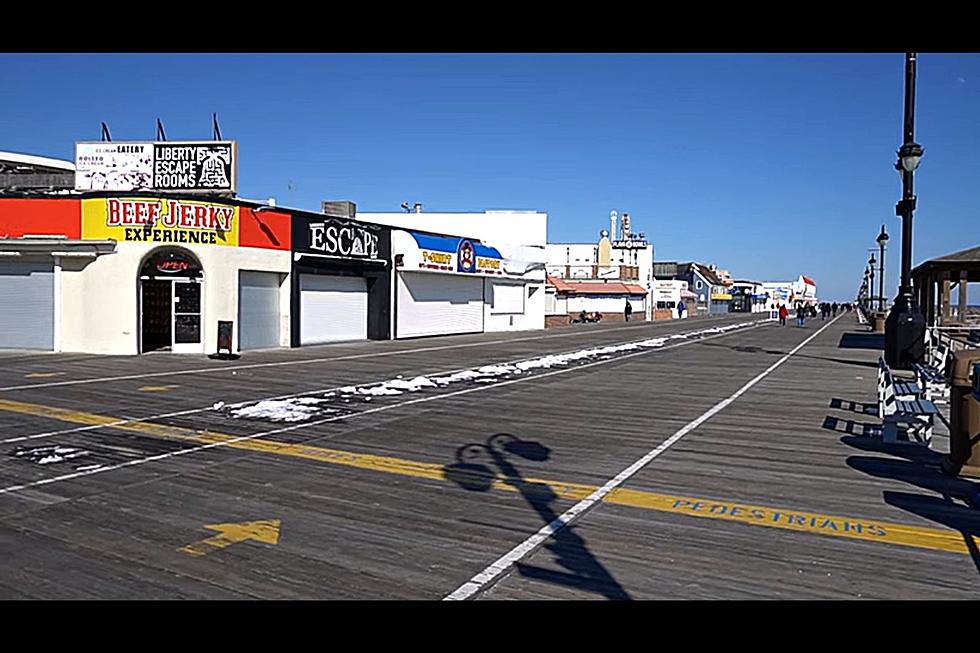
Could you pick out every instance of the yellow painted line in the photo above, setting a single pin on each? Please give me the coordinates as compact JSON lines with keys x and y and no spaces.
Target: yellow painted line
{"x":766,"y":516}
{"x":266,"y":531}
{"x":796,"y":520}
{"x":157,"y":388}
{"x":42,"y":375}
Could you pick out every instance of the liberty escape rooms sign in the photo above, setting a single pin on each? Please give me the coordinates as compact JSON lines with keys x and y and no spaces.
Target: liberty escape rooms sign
{"x":194,"y":166}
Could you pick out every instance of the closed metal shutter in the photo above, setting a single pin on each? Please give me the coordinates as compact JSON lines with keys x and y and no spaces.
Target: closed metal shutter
{"x":332,"y":309}
{"x":26,"y":305}
{"x":438,"y":304}
{"x":258,"y":310}
{"x":507,"y":298}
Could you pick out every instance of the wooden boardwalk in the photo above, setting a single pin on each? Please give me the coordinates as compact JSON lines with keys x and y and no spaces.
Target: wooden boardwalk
{"x":783,"y":492}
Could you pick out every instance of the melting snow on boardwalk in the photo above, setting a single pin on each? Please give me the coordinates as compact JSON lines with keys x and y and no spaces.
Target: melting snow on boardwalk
{"x":297,"y":409}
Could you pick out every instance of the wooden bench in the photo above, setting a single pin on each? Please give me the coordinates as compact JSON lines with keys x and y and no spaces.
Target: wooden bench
{"x":901,"y":402}
{"x":902,"y":389}
{"x":931,"y":375}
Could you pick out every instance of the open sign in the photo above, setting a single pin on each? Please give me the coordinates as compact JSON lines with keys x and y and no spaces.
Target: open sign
{"x":173,"y":266}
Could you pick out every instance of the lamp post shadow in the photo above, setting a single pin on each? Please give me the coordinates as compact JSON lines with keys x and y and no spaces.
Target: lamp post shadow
{"x":582,"y":570}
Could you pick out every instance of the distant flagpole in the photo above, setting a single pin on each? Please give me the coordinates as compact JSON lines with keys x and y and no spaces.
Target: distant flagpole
{"x":105,"y":133}
{"x":161,"y":135}
{"x":215,"y":130}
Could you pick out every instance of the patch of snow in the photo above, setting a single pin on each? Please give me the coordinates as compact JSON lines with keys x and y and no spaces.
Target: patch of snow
{"x":50,"y":454}
{"x":281,"y":410}
{"x":302,"y":408}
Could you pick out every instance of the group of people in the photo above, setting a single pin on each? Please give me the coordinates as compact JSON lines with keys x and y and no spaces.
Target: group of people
{"x":803,"y":311}
{"x":827,"y":310}
{"x":627,"y":312}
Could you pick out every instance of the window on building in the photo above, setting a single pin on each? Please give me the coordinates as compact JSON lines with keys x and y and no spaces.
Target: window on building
{"x":698,"y":284}
{"x":550,"y":304}
{"x":507,"y":298}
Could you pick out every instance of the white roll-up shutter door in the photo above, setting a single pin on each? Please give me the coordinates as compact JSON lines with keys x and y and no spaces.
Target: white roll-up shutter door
{"x":507,"y":298}
{"x":258,"y":309}
{"x":26,"y":305}
{"x":438,"y":304}
{"x":332,"y":309}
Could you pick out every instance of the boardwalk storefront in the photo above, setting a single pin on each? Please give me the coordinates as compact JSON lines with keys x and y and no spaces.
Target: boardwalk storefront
{"x":450,"y":285}
{"x":126,"y":274}
{"x":341,"y":280}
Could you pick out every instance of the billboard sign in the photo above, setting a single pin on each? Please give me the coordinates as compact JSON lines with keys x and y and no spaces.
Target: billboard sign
{"x":113,"y":166}
{"x":181,"y":166}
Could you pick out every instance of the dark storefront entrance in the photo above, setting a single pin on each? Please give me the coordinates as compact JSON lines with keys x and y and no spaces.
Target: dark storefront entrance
{"x":341,"y":281}
{"x":170,"y":302}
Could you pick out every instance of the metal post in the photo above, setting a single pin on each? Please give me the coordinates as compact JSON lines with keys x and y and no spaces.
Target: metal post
{"x":882,"y":239}
{"x":907,"y":205}
{"x":905,"y":326}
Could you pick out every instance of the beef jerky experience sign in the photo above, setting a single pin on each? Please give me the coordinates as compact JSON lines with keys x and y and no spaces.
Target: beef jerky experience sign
{"x":194,"y":166}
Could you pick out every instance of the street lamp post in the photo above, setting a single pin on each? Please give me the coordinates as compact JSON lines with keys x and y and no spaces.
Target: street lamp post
{"x":881,"y":239}
{"x":871,"y":281}
{"x":905,"y":326}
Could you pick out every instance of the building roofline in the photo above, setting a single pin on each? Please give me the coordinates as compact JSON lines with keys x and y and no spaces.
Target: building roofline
{"x":34,"y":160}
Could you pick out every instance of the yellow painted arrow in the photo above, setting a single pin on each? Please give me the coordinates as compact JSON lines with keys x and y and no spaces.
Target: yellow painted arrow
{"x":261,"y":531}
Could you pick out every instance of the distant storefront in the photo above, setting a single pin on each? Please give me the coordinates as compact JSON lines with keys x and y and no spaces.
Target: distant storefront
{"x":448,"y":285}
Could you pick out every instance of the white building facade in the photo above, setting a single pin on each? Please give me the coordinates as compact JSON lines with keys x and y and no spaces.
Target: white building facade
{"x":466,"y":272}
{"x":620,"y":255}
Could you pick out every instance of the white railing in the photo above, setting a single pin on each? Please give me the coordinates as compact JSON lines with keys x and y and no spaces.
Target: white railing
{"x":954,"y":337}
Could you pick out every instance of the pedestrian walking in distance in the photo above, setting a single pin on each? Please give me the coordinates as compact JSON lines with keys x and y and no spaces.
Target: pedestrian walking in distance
{"x":783,"y":314}
{"x":628,"y":311}
{"x":801,"y":316}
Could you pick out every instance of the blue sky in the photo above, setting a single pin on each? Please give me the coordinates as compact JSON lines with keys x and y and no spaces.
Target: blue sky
{"x":770,"y":165}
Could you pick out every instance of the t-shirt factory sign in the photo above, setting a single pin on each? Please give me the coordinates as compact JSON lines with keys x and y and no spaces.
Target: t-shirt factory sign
{"x":151,"y":220}
{"x":448,"y":254}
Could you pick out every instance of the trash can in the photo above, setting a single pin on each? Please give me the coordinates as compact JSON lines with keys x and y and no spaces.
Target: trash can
{"x":964,"y":417}
{"x":878,"y":323}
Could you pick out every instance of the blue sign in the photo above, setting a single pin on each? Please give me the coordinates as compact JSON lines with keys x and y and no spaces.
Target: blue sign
{"x":465,"y":257}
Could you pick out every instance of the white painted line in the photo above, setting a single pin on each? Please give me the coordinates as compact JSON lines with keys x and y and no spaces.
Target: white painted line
{"x":337,"y":418}
{"x":375,"y":354}
{"x":503,"y":564}
{"x":202,"y":409}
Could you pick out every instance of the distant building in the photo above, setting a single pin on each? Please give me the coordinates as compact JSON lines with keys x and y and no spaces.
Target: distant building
{"x":615,"y":266}
{"x":749,"y":297}
{"x":712,"y":292}
{"x":25,"y":172}
{"x":791,"y":293}
{"x":669,"y":295}
{"x":567,"y":299}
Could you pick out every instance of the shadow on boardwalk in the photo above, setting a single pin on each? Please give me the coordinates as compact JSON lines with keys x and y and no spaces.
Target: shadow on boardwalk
{"x":582,"y":570}
{"x":953,"y":500}
{"x":862,"y":341}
